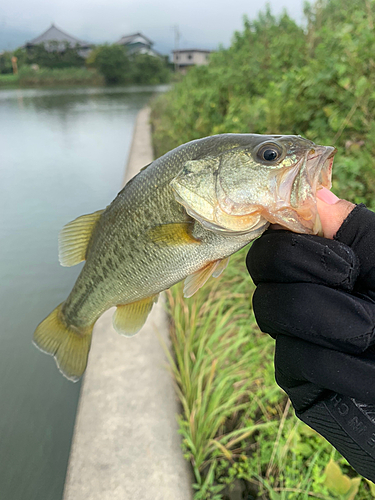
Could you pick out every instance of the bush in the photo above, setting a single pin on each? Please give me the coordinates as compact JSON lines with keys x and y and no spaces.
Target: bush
{"x":149,"y":70}
{"x":8,"y":79}
{"x":117,"y":66}
{"x":54,"y":57}
{"x":68,"y":76}
{"x":237,"y":428}
{"x":111,"y":61}
{"x":6,"y":63}
{"x":276,"y":78}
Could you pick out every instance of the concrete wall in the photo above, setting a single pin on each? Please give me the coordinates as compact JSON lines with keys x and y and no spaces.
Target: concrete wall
{"x":125,"y":444}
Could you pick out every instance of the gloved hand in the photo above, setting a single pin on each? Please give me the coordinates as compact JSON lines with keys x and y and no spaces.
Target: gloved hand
{"x":316,"y":297}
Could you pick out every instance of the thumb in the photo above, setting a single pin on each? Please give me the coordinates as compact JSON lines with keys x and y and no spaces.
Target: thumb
{"x":332,"y":211}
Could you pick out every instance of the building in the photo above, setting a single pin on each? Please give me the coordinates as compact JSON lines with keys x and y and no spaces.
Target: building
{"x":185,"y":58}
{"x":138,"y":44}
{"x":56,"y":39}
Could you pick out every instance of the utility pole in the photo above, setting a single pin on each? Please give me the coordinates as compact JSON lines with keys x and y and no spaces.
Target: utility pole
{"x":176,"y":46}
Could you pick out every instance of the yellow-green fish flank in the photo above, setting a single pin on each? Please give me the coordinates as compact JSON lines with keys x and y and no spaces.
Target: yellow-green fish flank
{"x":180,"y":218}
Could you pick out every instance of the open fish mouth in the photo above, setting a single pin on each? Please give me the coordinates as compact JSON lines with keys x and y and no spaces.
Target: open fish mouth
{"x":319,"y":162}
{"x":325,"y":177}
{"x":297,"y":207}
{"x":325,"y":154}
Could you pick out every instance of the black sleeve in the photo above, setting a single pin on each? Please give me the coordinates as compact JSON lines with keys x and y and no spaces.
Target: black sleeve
{"x":304,"y":288}
{"x":317,"y":298}
{"x":358,"y":233}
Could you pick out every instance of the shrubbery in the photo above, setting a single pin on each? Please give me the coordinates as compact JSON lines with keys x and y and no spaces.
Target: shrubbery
{"x":279,"y":78}
{"x":55,"y":57}
{"x":27,"y":77}
{"x":238,"y":429}
{"x":113,"y":63}
{"x":151,"y":70}
{"x":6,"y":63}
{"x":117,"y":66}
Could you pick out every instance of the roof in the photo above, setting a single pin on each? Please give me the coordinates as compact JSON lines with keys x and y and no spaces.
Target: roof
{"x":55,"y":34}
{"x":125,"y":40}
{"x":191,"y":50}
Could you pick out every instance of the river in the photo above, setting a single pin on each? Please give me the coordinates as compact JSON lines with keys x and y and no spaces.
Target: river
{"x":62,"y":154}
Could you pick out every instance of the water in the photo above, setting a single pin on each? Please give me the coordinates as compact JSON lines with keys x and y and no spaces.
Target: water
{"x":62,"y":154}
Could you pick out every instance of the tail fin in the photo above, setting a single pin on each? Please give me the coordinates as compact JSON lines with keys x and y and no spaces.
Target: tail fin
{"x":69,"y":345}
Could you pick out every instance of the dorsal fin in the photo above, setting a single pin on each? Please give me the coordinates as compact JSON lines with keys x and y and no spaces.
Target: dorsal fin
{"x":74,"y":238}
{"x":144,"y":168}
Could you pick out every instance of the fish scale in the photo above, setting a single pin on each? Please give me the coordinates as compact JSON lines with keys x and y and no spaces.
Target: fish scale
{"x":180,"y":217}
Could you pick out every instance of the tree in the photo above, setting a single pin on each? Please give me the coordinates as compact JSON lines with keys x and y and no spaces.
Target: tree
{"x":55,"y":56}
{"x":6,"y":63}
{"x":111,"y":61}
{"x":147,"y":69}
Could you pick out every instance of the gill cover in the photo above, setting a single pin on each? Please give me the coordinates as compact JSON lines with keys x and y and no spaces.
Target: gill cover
{"x":199,"y":189}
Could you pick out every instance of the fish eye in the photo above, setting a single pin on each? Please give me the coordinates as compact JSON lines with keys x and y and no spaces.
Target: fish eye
{"x":269,"y":152}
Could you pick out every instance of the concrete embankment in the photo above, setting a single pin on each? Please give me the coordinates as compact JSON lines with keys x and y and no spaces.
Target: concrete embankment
{"x":125,"y":444}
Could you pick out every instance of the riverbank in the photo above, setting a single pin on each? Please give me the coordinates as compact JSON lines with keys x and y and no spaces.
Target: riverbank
{"x":126,"y":443}
{"x":27,"y":77}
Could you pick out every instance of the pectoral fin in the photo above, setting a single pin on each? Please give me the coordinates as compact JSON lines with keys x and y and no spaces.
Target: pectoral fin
{"x":173,"y":234}
{"x":195,"y":281}
{"x":74,"y":239}
{"x":222,"y":265}
{"x":129,"y":318}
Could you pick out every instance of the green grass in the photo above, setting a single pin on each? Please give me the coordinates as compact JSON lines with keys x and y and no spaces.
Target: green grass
{"x":66,"y":76}
{"x":27,"y":77}
{"x":8,"y":80}
{"x":237,"y":425}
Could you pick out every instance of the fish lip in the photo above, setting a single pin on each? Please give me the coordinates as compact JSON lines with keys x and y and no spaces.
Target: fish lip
{"x":324,"y":180}
{"x":325,"y":156}
{"x":318,"y":175}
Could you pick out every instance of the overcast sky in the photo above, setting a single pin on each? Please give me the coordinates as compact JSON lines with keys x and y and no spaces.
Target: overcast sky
{"x":202,"y":24}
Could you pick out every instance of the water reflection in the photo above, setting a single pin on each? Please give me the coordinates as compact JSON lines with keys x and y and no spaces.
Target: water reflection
{"x":62,"y":154}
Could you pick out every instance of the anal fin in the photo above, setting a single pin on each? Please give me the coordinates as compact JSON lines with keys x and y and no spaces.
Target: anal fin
{"x":129,"y":318}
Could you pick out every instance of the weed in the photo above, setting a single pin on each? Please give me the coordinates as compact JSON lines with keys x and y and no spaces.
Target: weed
{"x":237,"y":424}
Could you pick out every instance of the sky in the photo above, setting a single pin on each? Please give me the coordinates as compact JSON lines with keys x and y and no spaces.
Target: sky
{"x":201,"y":24}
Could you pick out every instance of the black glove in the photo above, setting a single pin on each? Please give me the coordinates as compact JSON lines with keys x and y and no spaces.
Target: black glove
{"x":317,"y":298}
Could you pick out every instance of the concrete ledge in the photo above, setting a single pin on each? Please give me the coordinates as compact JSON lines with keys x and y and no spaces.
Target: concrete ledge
{"x":125,"y":444}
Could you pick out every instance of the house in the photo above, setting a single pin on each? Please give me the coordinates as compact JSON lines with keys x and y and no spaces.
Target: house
{"x":185,"y":58}
{"x":56,"y":39}
{"x":138,"y":44}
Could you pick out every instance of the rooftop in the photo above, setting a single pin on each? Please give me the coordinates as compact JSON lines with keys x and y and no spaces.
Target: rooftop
{"x":191,"y":50}
{"x":56,"y":34}
{"x":132,"y":38}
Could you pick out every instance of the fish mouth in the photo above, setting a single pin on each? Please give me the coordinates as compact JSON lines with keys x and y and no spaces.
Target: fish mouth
{"x":319,"y":175}
{"x":326,"y":154}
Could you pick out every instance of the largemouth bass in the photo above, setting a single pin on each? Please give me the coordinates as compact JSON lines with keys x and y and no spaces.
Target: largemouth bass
{"x":180,"y":218}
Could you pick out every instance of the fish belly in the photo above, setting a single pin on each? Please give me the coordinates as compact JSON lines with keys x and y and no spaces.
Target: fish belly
{"x":142,"y":269}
